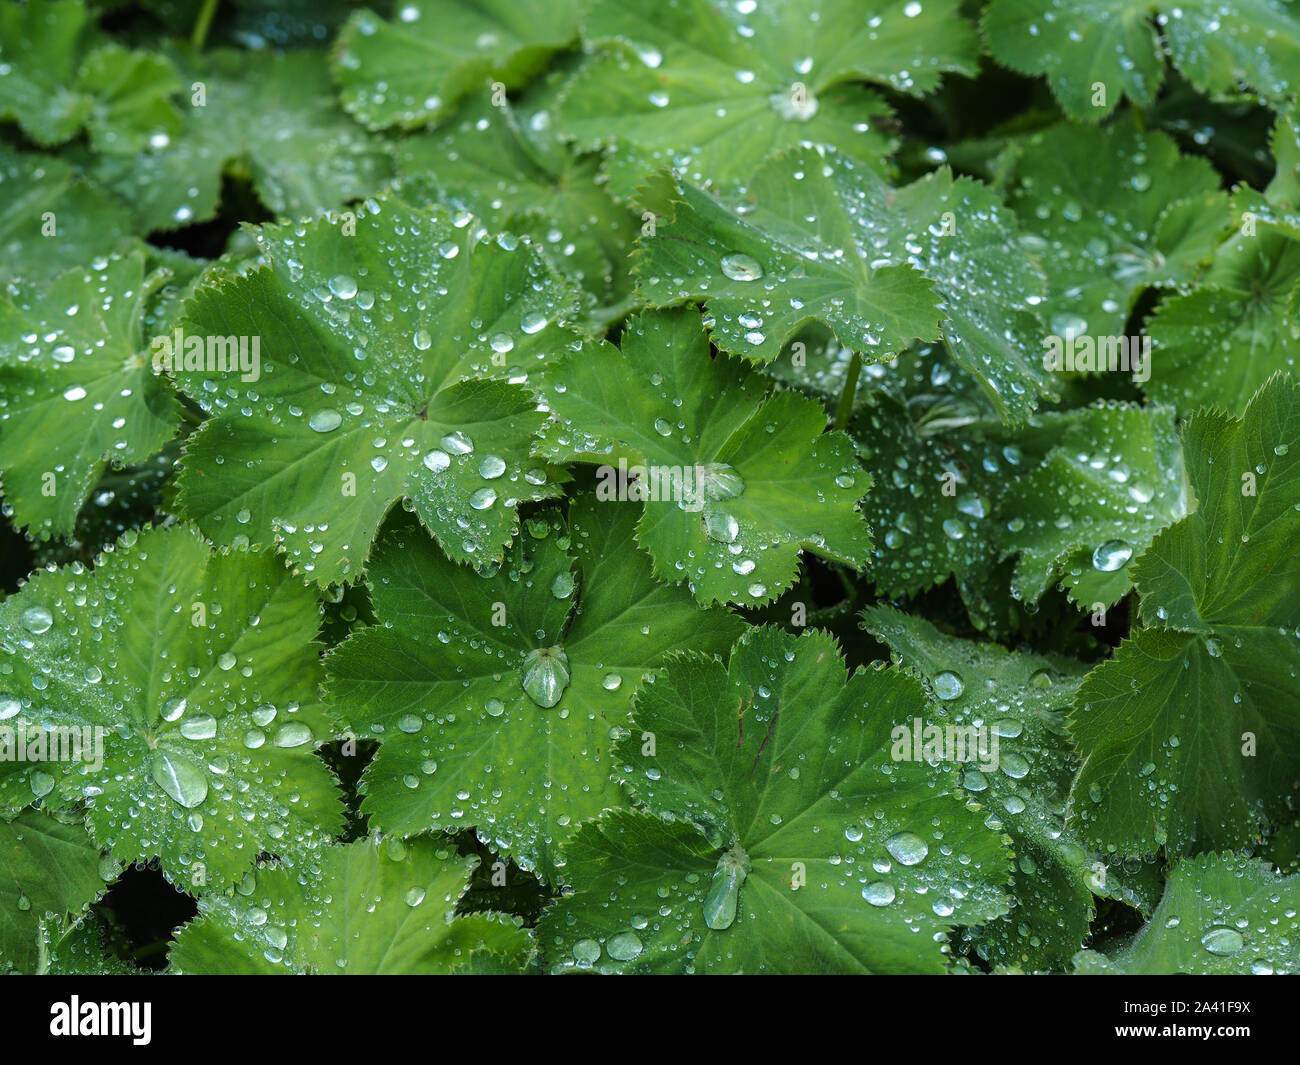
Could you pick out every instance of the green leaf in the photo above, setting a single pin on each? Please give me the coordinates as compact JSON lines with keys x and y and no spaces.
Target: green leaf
{"x":1189,"y":734}
{"x":497,"y":163}
{"x":58,"y":75}
{"x":51,"y":220}
{"x":302,"y":153}
{"x":711,"y":90}
{"x":812,"y":851}
{"x":1112,"y":481}
{"x":1022,"y":774}
{"x":382,"y":362}
{"x":496,"y":696}
{"x":1093,"y":52}
{"x":413,"y":70}
{"x":736,"y":481}
{"x":1278,"y":205}
{"x":1220,"y":342}
{"x":49,"y":875}
{"x":1111,"y":212}
{"x":880,"y":266}
{"x":1221,"y":915}
{"x":76,"y":343}
{"x":190,"y":681}
{"x":373,"y":908}
{"x":937,"y":481}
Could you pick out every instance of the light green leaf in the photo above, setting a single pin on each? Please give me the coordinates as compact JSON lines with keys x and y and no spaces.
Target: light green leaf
{"x":1094,"y":52}
{"x":822,"y":239}
{"x":50,"y":220}
{"x":58,"y":74}
{"x":812,"y":851}
{"x":370,"y":908}
{"x":736,"y":481}
{"x":414,"y":69}
{"x":711,"y":90}
{"x":938,"y":476}
{"x":1111,"y":212}
{"x":183,"y":687}
{"x":496,"y":696}
{"x":302,"y":154}
{"x":1279,"y":204}
{"x":1020,"y":768}
{"x":49,"y":875}
{"x":1112,"y":481}
{"x":383,"y":358}
{"x":1219,"y":343}
{"x":1221,"y":915}
{"x":1189,"y":734}
{"x":497,"y":163}
{"x":74,"y":348}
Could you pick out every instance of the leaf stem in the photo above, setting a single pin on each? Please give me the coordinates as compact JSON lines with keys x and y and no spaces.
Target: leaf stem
{"x":200,"y":34}
{"x":845,"y":411}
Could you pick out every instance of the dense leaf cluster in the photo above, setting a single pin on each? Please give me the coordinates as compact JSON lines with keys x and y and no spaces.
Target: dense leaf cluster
{"x":677,"y":486}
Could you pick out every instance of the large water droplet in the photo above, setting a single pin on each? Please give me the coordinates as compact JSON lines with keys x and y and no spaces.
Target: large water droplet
{"x":1222,"y":941}
{"x":721,"y":527}
{"x":180,"y":778}
{"x":741,"y":267}
{"x":546,"y":676}
{"x":721,"y":902}
{"x":948,"y":685}
{"x":625,"y":946}
{"x":880,"y":893}
{"x":1111,"y":555}
{"x":325,"y":421}
{"x":907,"y":848}
{"x":36,"y":620}
{"x":457,"y":443}
{"x":292,"y":734}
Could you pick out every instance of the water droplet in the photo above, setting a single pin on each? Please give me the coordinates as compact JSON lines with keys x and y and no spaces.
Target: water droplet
{"x":741,"y":267}
{"x":292,"y":734}
{"x":721,"y":902}
{"x":907,"y":848}
{"x":492,"y":467}
{"x":611,"y":682}
{"x":437,"y":460}
{"x":721,"y":527}
{"x":587,"y":951}
{"x":457,"y":443}
{"x":546,"y":676}
{"x":202,"y":727}
{"x":482,"y":498}
{"x":174,"y":708}
{"x":36,"y":620}
{"x":1222,"y":941}
{"x":879,"y":893}
{"x":948,"y":685}
{"x":625,"y":946}
{"x":562,"y":586}
{"x":180,"y":778}
{"x":1111,"y":556}
{"x":343,"y":286}
{"x":325,"y":421}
